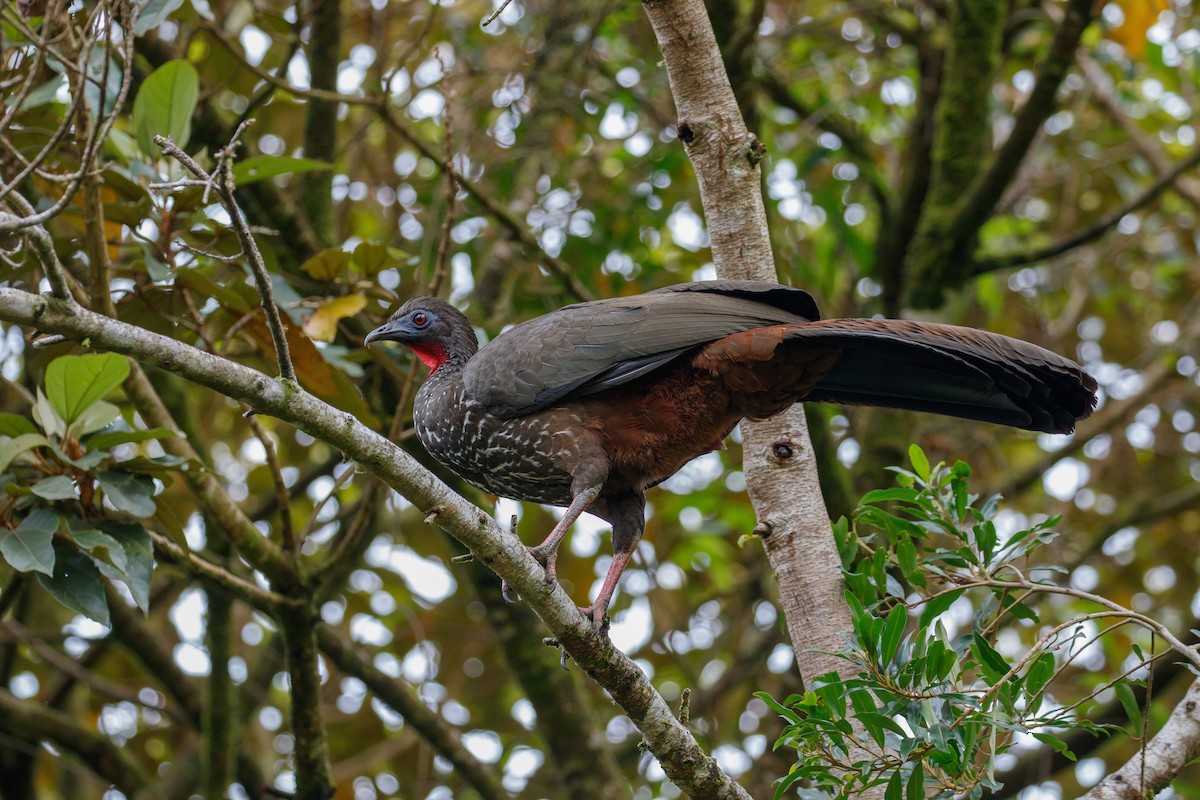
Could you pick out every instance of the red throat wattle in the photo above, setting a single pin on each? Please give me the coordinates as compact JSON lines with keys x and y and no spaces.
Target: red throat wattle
{"x":432,"y":355}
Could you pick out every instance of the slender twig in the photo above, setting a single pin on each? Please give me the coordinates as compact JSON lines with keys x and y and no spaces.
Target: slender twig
{"x":97,"y":134}
{"x":43,"y":248}
{"x":287,"y":534}
{"x":166,"y":550}
{"x":1090,"y":232}
{"x":506,"y":218}
{"x":222,"y":180}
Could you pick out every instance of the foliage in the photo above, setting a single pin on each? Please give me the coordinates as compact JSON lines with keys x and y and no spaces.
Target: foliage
{"x":932,"y":710}
{"x":73,"y":497}
{"x":557,"y":125}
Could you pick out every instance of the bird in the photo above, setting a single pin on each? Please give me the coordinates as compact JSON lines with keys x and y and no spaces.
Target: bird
{"x":588,"y":406}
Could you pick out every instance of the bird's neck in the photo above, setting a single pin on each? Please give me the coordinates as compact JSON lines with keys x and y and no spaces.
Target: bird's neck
{"x":450,"y":355}
{"x":431,"y":354}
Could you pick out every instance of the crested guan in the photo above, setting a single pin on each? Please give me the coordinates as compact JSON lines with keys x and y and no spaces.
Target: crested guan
{"x":592,"y":404}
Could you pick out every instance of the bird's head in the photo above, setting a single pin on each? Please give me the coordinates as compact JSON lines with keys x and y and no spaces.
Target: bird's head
{"x":437,"y":332}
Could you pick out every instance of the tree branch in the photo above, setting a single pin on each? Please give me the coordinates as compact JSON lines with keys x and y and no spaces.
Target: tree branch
{"x":113,"y":764}
{"x":444,"y":739}
{"x":681,"y":757}
{"x":961,"y":136}
{"x":781,"y":470}
{"x":1091,"y":232}
{"x":1153,"y":767}
{"x":222,"y":181}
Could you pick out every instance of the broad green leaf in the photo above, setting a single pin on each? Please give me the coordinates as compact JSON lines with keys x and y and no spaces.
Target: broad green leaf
{"x":95,"y":417}
{"x":76,"y":583}
{"x":46,"y":93}
{"x":139,"y":558}
{"x":152,"y":13}
{"x":104,"y":549}
{"x":56,"y":487}
{"x":919,"y":461}
{"x":260,"y":168}
{"x":131,"y":493}
{"x":164,"y":105}
{"x":15,"y":425}
{"x":30,"y":546}
{"x":327,"y":265}
{"x":11,"y":448}
{"x":75,"y":382}
{"x":322,"y":325}
{"x":106,"y":440}
{"x":372,"y":257}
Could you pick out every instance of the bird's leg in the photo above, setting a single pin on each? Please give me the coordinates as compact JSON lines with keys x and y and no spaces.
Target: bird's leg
{"x":628,"y":517}
{"x":546,"y":553}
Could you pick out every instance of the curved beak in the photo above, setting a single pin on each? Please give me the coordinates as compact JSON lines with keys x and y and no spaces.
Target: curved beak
{"x":390,"y":331}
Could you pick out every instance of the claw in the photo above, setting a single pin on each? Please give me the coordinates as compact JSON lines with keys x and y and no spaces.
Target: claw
{"x":507,"y":593}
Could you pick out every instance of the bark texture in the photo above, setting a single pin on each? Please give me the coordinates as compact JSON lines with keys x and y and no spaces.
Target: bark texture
{"x":781,"y":470}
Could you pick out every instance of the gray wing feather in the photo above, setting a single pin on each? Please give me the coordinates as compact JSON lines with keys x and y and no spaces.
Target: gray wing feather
{"x":589,"y":347}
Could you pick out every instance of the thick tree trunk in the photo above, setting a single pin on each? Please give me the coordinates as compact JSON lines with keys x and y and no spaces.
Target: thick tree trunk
{"x":781,"y":471}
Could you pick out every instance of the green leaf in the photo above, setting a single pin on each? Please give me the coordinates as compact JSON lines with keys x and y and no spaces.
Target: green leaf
{"x":906,"y":557}
{"x":915,"y":790}
{"x":95,"y":417}
{"x":893,"y":633}
{"x":104,"y":550}
{"x":372,"y":257}
{"x":106,"y":440}
{"x":56,"y":487}
{"x":11,"y":448}
{"x":46,"y":93}
{"x":131,"y":493}
{"x":919,"y":461}
{"x":164,"y":105}
{"x":152,"y":13}
{"x":1058,"y":744}
{"x":895,"y":787}
{"x":327,"y":265}
{"x":76,"y":584}
{"x":46,"y":417}
{"x":14,"y":425}
{"x":139,"y":558}
{"x":75,"y":382}
{"x":1130,"y":704}
{"x":991,"y":663}
{"x":30,"y":546}
{"x":938,"y":605}
{"x":261,"y":168}
{"x":1039,"y":674}
{"x":895,"y":493}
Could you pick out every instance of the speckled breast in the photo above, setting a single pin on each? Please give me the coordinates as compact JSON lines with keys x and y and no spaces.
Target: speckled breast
{"x":511,"y":458}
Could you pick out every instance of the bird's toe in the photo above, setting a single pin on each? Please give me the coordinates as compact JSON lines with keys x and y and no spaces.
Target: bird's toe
{"x":507,"y":592}
{"x":598,"y":617}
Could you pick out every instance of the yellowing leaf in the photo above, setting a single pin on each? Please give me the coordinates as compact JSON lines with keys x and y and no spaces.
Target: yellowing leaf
{"x":322,"y":325}
{"x":1140,"y":15}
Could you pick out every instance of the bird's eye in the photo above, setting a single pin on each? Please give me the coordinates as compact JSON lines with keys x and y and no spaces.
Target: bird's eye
{"x":420,"y":319}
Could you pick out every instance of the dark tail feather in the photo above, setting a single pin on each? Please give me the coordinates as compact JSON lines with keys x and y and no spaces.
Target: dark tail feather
{"x":945,"y":369}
